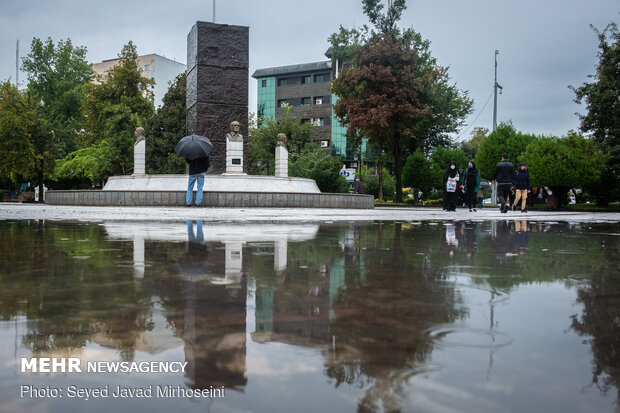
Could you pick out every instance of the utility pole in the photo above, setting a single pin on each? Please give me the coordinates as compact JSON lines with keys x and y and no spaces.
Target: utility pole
{"x":17,"y":65}
{"x":495,"y":87}
{"x":213,"y":11}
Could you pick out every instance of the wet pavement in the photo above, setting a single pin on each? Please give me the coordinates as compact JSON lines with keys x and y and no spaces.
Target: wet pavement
{"x":94,"y":213}
{"x":416,"y":316}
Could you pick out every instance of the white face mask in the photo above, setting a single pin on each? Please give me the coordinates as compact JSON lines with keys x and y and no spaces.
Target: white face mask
{"x":452,"y":166}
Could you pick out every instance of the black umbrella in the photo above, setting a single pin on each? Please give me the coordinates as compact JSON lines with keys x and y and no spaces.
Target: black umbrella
{"x":193,"y":147}
{"x":485,"y":185}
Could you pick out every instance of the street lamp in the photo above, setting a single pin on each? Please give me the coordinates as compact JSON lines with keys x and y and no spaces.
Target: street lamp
{"x":495,"y":87}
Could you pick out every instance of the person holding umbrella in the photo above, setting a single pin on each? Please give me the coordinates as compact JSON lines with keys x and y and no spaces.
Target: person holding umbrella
{"x":195,"y":149}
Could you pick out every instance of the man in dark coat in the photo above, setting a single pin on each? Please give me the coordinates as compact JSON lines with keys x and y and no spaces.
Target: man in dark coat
{"x":503,"y":175}
{"x":197,"y":169}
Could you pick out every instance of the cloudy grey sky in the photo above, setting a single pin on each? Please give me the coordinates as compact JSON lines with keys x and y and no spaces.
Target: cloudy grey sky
{"x":545,"y":45}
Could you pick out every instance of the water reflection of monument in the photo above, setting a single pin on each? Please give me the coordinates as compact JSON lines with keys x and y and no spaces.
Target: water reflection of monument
{"x":210,"y":315}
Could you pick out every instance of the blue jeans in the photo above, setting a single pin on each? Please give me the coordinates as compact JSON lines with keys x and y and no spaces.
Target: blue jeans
{"x":200,"y":181}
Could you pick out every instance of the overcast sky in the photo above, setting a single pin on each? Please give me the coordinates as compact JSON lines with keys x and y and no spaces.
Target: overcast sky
{"x":544,"y":45}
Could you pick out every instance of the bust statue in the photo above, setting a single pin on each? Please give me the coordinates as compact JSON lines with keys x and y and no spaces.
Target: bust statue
{"x":281,"y":140}
{"x":139,"y":134}
{"x":234,"y":135}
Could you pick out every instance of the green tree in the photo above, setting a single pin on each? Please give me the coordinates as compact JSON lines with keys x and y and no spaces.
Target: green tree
{"x":262,"y":142}
{"x":26,"y":140}
{"x":391,"y":88}
{"x":315,"y":164}
{"x":563,"y":163}
{"x":56,"y":75}
{"x":370,"y":181}
{"x":471,"y":147}
{"x":417,"y":172}
{"x":602,"y":119}
{"x":504,"y":139}
{"x":165,"y":129}
{"x":16,"y":122}
{"x":114,"y":108}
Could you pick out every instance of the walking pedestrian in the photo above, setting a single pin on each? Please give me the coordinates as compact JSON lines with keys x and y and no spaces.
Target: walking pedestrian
{"x":503,"y":175}
{"x":450,"y":182}
{"x":521,"y":182}
{"x":471,"y":184}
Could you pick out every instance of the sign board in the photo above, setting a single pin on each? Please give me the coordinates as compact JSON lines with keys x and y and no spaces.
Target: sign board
{"x":348,"y":173}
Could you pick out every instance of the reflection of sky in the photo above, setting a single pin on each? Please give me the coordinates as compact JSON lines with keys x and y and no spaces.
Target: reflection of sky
{"x":545,"y":365}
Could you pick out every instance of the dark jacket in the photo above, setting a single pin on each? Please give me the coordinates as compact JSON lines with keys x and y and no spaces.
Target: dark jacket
{"x":198,"y":166}
{"x":522,"y":180}
{"x":504,"y":172}
{"x":472,"y":180}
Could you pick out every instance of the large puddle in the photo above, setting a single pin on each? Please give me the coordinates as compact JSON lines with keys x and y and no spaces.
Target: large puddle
{"x":506,"y":316}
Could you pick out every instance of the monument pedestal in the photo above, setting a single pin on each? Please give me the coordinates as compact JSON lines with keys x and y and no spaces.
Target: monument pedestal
{"x":281,"y":162}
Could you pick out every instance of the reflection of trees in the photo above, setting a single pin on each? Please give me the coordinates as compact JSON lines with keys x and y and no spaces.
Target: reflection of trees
{"x":600,"y":320}
{"x":380,"y":325}
{"x":61,"y":279}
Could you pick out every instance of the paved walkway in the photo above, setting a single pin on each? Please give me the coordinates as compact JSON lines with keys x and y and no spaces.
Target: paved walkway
{"x":97,"y":213}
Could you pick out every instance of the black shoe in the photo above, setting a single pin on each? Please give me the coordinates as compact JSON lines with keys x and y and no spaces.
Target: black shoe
{"x":524,"y":210}
{"x":475,"y":210}
{"x":514,"y":208}
{"x":188,"y":205}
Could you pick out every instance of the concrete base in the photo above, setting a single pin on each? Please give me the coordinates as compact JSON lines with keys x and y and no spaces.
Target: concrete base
{"x":213,"y":183}
{"x":224,"y":199}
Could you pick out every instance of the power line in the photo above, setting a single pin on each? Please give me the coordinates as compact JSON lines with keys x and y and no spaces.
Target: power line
{"x":477,"y":116}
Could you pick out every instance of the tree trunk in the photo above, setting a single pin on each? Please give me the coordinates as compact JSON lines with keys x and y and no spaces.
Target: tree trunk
{"x":380,"y":170}
{"x":397,"y":170}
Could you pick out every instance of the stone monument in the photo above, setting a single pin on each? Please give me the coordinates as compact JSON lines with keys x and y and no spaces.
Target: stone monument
{"x":139,"y":152}
{"x":234,"y":150}
{"x":281,"y":157}
{"x":217,"y":86}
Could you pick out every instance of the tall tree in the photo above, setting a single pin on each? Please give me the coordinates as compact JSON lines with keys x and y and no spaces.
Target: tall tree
{"x":165,"y":129}
{"x":26,"y":140}
{"x":56,"y":74}
{"x":602,"y":120}
{"x":114,"y":107}
{"x":391,"y":88}
{"x":563,"y":163}
{"x":472,"y":146}
{"x":505,"y":139}
{"x":380,"y":95}
{"x":16,"y":122}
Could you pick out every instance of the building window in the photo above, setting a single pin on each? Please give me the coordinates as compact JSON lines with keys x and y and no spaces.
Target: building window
{"x":286,"y":81}
{"x":306,"y":80}
{"x":305,"y":101}
{"x":282,"y":103}
{"x":318,"y":121}
{"x":304,"y":121}
{"x":263,"y":83}
{"x":323,"y":77}
{"x":318,"y":100}
{"x":147,"y":68}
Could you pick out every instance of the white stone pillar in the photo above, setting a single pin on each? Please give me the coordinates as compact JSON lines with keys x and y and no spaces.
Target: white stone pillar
{"x":281,"y":162}
{"x":280,"y":251}
{"x":234,"y":157}
{"x":139,"y":156}
{"x":233,"y":266}
{"x":138,"y":255}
